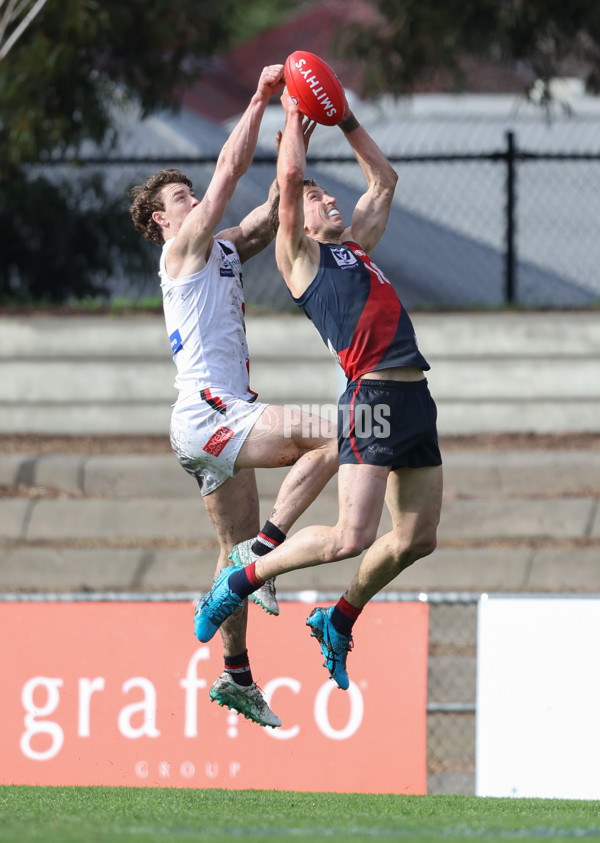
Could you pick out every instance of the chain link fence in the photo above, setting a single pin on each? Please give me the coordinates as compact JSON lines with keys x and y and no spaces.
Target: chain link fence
{"x":558,"y":206}
{"x":490,"y":229}
{"x":465,"y":231}
{"x":451,"y":694}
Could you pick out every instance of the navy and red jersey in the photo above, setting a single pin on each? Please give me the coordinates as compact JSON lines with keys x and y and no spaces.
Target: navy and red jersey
{"x":358,"y":313}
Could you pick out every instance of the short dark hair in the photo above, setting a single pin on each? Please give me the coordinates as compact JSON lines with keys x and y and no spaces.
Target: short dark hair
{"x":147,"y":198}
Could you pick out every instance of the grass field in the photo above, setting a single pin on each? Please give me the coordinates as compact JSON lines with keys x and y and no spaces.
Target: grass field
{"x":101,"y":814}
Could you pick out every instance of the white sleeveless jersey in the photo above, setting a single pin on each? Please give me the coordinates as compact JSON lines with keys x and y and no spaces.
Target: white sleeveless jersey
{"x":204,"y":315}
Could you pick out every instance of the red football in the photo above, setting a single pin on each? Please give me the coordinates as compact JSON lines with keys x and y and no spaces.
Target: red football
{"x":315,"y":87}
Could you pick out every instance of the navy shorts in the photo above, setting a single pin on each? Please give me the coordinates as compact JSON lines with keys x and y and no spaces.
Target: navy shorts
{"x":388,"y":423}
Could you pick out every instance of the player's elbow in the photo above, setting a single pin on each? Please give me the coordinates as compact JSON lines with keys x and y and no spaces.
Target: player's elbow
{"x":389,"y":181}
{"x":233,"y":166}
{"x":384,"y":190}
{"x":383,"y":186}
{"x":290,"y":175}
{"x":238,"y":167}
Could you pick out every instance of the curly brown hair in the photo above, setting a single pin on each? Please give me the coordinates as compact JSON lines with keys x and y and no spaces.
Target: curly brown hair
{"x":147,"y":198}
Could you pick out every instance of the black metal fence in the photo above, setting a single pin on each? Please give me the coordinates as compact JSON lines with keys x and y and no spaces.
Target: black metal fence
{"x":507,"y":227}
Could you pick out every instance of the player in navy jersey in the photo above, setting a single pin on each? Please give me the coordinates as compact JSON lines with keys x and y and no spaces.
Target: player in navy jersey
{"x":387,"y":437}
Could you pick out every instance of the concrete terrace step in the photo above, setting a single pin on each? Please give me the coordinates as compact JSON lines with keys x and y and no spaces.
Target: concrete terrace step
{"x":470,"y":570}
{"x":490,"y":372}
{"x":511,"y":521}
{"x":142,"y":520}
{"x":467,"y":473}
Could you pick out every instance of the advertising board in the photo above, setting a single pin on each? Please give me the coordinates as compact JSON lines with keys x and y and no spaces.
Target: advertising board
{"x":116,"y":693}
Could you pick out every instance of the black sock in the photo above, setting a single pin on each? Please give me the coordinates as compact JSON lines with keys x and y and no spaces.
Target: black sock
{"x":239,"y":582}
{"x":268,"y":539}
{"x":343,"y":617}
{"x":238,"y":668}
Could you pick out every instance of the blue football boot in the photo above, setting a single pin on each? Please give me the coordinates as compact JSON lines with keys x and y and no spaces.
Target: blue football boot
{"x":334,"y":646}
{"x":217,"y":605}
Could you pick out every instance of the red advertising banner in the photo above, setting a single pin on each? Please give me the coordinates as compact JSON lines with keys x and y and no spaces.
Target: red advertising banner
{"x":117,"y":694}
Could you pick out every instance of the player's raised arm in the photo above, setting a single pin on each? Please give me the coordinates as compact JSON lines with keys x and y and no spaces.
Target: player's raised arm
{"x":372,"y":209}
{"x":257,"y":229}
{"x":296,"y":255}
{"x":195,"y":235}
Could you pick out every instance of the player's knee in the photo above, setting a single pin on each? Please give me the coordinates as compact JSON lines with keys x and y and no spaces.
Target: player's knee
{"x":289,"y":455}
{"x":404,"y":553}
{"x":323,"y":448}
{"x":420,"y":547}
{"x":425,"y":548}
{"x":353,"y":544}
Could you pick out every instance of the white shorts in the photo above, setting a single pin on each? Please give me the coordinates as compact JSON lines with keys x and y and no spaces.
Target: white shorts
{"x":208,"y":428}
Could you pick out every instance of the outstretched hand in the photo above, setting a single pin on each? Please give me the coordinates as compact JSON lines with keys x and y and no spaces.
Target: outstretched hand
{"x":271,"y":80}
{"x":308,"y":127}
{"x":289,"y":104}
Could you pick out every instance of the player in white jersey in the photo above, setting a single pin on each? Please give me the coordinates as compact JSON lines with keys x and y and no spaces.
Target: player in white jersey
{"x":219,"y":431}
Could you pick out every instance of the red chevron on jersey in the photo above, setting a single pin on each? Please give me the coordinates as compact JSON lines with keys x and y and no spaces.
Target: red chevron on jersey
{"x":368,"y":346}
{"x":214,"y":401}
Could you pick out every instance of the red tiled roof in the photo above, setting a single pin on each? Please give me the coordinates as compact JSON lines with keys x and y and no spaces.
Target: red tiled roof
{"x":229,"y":82}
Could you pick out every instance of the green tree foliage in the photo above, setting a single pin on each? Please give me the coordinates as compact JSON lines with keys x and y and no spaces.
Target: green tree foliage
{"x":62,"y":240}
{"x":409,"y":40}
{"x":252,"y":16}
{"x":57,"y":87}
{"x":58,"y":81}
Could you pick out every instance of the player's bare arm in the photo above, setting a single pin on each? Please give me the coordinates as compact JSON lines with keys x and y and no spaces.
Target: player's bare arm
{"x":373,"y":208}
{"x":296,"y":254}
{"x":257,"y":229}
{"x":193,"y":240}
